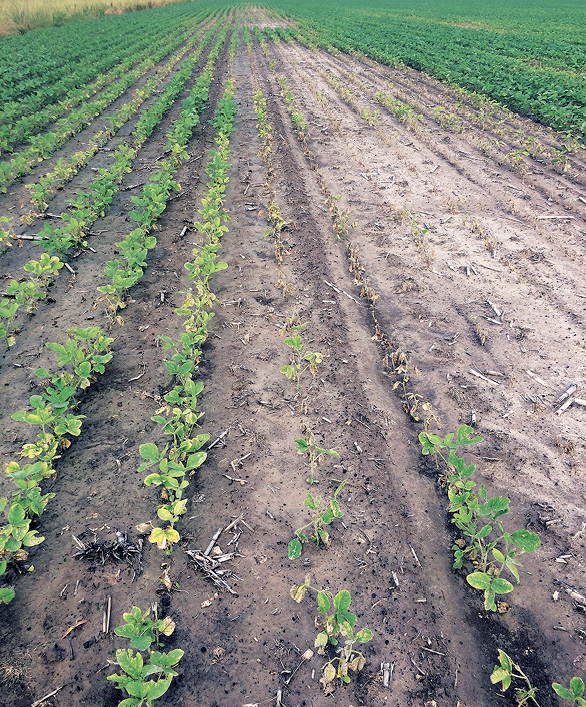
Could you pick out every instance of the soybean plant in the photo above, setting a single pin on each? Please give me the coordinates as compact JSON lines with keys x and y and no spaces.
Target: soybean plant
{"x":487,"y":545}
{"x":507,"y":671}
{"x":339,"y":623}
{"x":141,"y":630}
{"x":320,"y":519}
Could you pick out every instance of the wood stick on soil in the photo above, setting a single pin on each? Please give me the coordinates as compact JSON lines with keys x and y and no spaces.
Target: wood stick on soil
{"x":46,"y":697}
{"x":575,"y":595}
{"x":488,"y":267}
{"x":415,"y":556}
{"x":566,"y":405}
{"x":569,"y":391}
{"x":140,"y":375}
{"x":219,"y":439}
{"x":107,"y":613}
{"x":233,"y":523}
{"x":537,"y":378}
{"x":341,"y":292}
{"x":484,"y":378}
{"x":494,"y":308}
{"x":429,"y":650}
{"x":215,"y":536}
{"x":543,"y":218}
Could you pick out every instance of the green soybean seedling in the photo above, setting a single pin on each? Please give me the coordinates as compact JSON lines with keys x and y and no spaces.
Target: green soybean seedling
{"x":507,"y":671}
{"x":141,"y":630}
{"x":307,"y":445}
{"x":320,"y":519}
{"x":488,"y":546}
{"x":338,"y":631}
{"x":302,"y":359}
{"x":574,"y":692}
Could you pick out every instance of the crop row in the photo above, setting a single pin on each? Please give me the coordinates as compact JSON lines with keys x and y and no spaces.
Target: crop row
{"x":469,"y":58}
{"x":85,"y":354}
{"x":33,"y":115}
{"x":42,"y":146}
{"x":91,"y":204}
{"x":128,"y":268}
{"x":180,"y":458}
{"x":464,"y":500}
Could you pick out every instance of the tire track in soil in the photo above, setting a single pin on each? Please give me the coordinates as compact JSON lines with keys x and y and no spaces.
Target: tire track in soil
{"x":348,"y":391}
{"x":98,"y":485}
{"x":529,"y":489}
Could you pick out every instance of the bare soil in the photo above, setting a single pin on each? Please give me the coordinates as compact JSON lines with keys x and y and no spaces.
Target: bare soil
{"x":488,"y":237}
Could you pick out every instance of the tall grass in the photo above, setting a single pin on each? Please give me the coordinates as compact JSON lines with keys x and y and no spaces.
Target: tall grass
{"x":24,"y":15}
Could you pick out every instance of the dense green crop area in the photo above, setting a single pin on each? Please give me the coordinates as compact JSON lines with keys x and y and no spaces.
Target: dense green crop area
{"x":529,"y":55}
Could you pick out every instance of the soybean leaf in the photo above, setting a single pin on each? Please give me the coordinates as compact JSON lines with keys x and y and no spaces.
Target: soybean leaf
{"x":342,"y":600}
{"x":294,"y":549}
{"x":149,"y":451}
{"x":323,"y":603}
{"x":364,"y":635}
{"x":501,"y":586}
{"x":525,"y":540}
{"x":479,"y":580}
